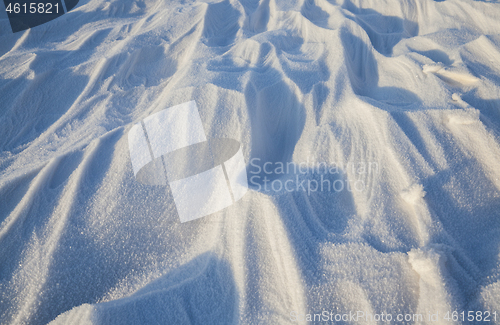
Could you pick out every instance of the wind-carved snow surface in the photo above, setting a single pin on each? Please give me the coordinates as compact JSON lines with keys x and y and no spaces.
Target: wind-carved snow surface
{"x":411,"y":87}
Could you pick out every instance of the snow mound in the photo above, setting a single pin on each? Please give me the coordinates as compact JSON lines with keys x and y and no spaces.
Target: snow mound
{"x":387,"y":115}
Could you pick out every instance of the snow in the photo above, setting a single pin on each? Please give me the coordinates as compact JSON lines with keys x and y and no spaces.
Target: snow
{"x":401,"y":98}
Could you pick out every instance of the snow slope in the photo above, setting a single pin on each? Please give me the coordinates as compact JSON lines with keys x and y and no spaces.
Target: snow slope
{"x":412,"y":87}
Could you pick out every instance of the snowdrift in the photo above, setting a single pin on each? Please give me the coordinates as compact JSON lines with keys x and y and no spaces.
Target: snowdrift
{"x":398,"y":100}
